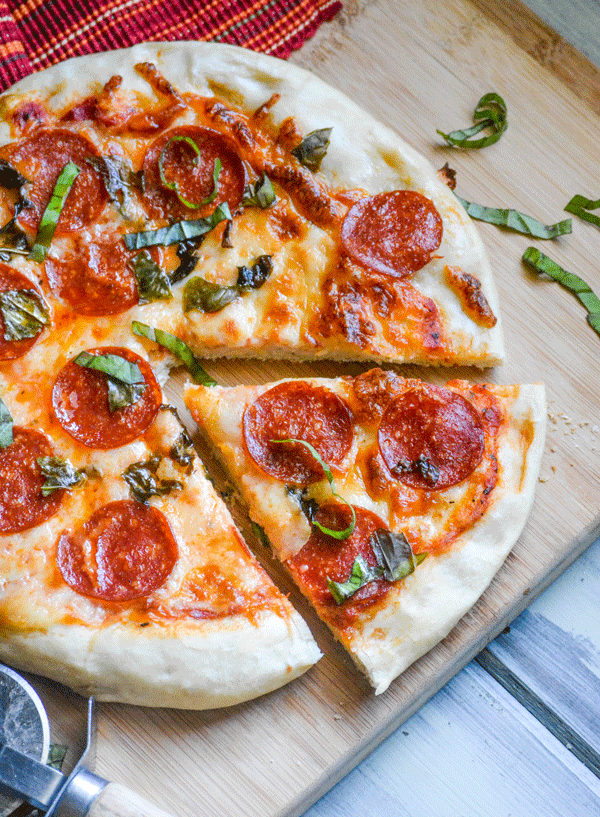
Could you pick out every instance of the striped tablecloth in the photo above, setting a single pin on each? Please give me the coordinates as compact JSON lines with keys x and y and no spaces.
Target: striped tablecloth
{"x":38,"y":33}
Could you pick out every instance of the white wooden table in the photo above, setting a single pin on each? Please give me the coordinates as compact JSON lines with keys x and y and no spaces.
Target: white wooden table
{"x":517,"y":732}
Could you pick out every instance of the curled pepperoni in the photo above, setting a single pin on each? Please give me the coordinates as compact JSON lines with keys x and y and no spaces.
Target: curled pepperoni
{"x":10,"y":279}
{"x":94,"y":279}
{"x":22,"y":505}
{"x":191,"y":173}
{"x":392,"y":233}
{"x":80,"y":402}
{"x":124,"y":551}
{"x":430,"y":437}
{"x":324,"y":557}
{"x":300,"y":411}
{"x":41,"y":158}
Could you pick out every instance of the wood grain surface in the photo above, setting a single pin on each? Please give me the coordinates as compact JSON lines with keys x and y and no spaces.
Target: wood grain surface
{"x":418,"y":67}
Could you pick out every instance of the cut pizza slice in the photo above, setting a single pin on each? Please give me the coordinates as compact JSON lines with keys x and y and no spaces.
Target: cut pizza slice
{"x":391,"y":501}
{"x":122,"y":574}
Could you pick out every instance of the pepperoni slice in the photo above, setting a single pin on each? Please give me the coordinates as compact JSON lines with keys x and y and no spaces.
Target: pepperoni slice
{"x":192,"y":173}
{"x":324,"y":557}
{"x":392,"y":233}
{"x":431,"y":438}
{"x":11,"y":349}
{"x":300,"y":411}
{"x":124,"y":551}
{"x":95,"y":279}
{"x":22,"y":505}
{"x":41,"y":158}
{"x":80,"y":402}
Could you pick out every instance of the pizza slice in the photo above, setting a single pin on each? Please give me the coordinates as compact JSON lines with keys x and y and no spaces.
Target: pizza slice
{"x":122,"y":574}
{"x":241,"y":204}
{"x":391,"y":501}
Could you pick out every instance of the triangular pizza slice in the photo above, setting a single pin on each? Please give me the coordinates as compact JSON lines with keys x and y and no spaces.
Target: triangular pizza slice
{"x":391,"y":501}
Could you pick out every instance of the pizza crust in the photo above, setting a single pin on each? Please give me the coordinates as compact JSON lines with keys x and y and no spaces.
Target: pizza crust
{"x":206,"y":666}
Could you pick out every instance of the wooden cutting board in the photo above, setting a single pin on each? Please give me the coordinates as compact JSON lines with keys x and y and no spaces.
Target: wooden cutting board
{"x":419,"y":66}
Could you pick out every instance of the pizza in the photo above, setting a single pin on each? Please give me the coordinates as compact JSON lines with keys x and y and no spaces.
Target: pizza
{"x":391,"y":501}
{"x":250,"y":209}
{"x":177,"y":200}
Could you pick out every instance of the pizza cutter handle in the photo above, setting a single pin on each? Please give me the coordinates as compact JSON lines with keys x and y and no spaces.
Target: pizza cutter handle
{"x":118,"y":801}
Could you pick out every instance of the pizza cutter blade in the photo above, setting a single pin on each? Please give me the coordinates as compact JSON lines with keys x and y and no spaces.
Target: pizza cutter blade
{"x":24,"y":775}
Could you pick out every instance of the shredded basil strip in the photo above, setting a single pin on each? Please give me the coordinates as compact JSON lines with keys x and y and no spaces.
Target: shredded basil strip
{"x":313,"y":148}
{"x":56,"y":755}
{"x":178,"y":348}
{"x":6,"y":426}
{"x":491,"y":112}
{"x":259,"y":194}
{"x":153,"y":283}
{"x":125,"y":380}
{"x":542,"y":264}
{"x":579,"y":206}
{"x":45,"y":233}
{"x":175,"y":187}
{"x":514,"y":220}
{"x":337,"y":534}
{"x":24,"y":313}
{"x":179,"y":231}
{"x":143,"y":482}
{"x":59,"y":474}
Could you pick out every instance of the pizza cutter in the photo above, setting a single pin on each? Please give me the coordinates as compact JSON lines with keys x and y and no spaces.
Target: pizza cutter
{"x":24,"y":775}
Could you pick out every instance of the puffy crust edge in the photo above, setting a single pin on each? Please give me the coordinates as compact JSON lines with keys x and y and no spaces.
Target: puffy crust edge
{"x":214,"y":665}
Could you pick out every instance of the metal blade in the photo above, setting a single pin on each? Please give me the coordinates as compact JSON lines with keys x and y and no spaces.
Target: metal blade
{"x":23,"y":775}
{"x":23,"y":726}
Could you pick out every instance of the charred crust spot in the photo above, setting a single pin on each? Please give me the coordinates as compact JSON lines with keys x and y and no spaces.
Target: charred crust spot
{"x":289,"y":134}
{"x":235,"y":124}
{"x":29,"y":116}
{"x":468,"y":289}
{"x":310,"y":194}
{"x":263,"y":110}
{"x":156,"y":80}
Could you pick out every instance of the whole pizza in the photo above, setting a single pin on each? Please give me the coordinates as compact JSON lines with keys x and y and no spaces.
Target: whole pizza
{"x":173,"y":202}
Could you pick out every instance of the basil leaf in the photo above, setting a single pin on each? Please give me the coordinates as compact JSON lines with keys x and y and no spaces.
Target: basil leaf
{"x":56,"y":756}
{"x":125,"y":380}
{"x":174,"y":186}
{"x":514,"y":220}
{"x":421,"y":466}
{"x":313,"y":148}
{"x":10,"y":178}
{"x":360,"y":575}
{"x":260,"y":534}
{"x":178,"y":348}
{"x":491,"y":112}
{"x":187,"y":259}
{"x":12,"y":240}
{"x":24,"y":312}
{"x":6,"y":426}
{"x":579,"y":206}
{"x":183,"y":452}
{"x":254,"y":277}
{"x":153,"y":283}
{"x":51,"y":214}
{"x":119,"y":179}
{"x":259,"y":194}
{"x":336,"y":534}
{"x":143,"y":481}
{"x":205,"y":296}
{"x":179,"y":231}
{"x":542,"y":264}
{"x":308,"y":506}
{"x":59,"y":474}
{"x":394,"y":554}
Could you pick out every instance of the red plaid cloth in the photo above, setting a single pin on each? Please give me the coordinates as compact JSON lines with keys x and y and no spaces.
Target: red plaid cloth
{"x":37,"y":33}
